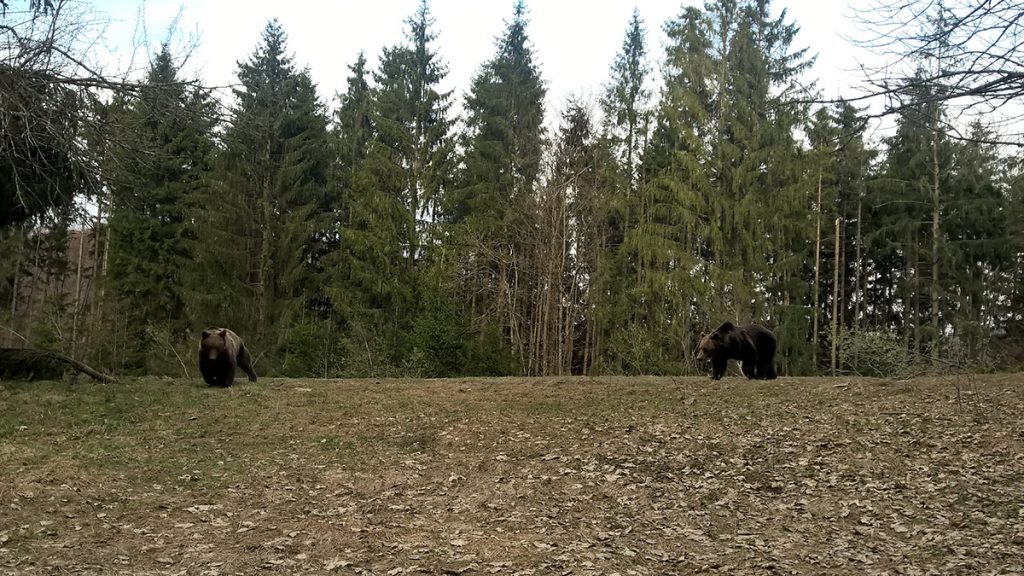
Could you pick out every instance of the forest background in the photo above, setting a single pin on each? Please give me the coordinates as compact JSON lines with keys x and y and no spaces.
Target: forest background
{"x":383,"y":233}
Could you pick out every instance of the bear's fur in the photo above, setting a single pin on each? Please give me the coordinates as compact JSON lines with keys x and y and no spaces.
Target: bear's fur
{"x":753,"y":345}
{"x":220,"y":351}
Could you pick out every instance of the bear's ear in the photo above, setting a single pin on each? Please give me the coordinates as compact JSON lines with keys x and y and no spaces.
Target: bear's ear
{"x":206,"y":334}
{"x":726,"y":327}
{"x":223,"y":332}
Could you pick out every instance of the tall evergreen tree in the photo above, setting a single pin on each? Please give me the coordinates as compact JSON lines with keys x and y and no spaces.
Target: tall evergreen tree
{"x":352,"y":124}
{"x":978,"y":245}
{"x":853,"y":172}
{"x":906,"y":239}
{"x":156,"y":175}
{"x":369,"y":289}
{"x":413,"y":128}
{"x":659,"y":251}
{"x":838,"y":171}
{"x":625,"y":101}
{"x":759,"y":172}
{"x":489,"y":210}
{"x":355,"y":270}
{"x":625,"y":107}
{"x":273,"y":202}
{"x":719,"y":227}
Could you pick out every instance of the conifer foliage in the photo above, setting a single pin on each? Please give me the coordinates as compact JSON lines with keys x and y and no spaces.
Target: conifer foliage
{"x":409,"y":228}
{"x":264,"y":213}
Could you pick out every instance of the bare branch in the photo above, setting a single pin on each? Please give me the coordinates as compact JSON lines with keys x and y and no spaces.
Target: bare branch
{"x":962,"y":53}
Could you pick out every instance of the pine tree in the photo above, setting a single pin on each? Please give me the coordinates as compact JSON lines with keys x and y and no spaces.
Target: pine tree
{"x":975,"y":232}
{"x":663,"y":226}
{"x":489,"y":211}
{"x":823,"y":136}
{"x":759,"y":169}
{"x":624,"y":134}
{"x":267,"y":217}
{"x":156,"y":175}
{"x":853,"y":172}
{"x":413,"y":128}
{"x":624,"y":103}
{"x":392,"y":200}
{"x":352,"y":124}
{"x":915,"y":182}
{"x":718,"y":229}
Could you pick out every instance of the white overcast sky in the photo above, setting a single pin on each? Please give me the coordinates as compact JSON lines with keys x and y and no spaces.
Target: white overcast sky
{"x":574,"y":41}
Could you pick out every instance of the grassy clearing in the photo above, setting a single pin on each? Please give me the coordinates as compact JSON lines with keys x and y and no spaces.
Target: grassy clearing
{"x":514,"y":476}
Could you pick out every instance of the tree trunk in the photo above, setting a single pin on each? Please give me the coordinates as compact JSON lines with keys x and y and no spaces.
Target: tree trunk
{"x":917,"y":297}
{"x":23,"y":359}
{"x":265,"y":270}
{"x":858,"y":273}
{"x":835,"y":303}
{"x":842,"y":286}
{"x":935,"y":288}
{"x":32,"y":287}
{"x":96,"y":260}
{"x":16,"y":285}
{"x":907,"y":295}
{"x":817,"y":281}
{"x":76,"y":311}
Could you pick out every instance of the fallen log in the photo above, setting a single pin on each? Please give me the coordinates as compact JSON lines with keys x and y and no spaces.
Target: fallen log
{"x":34,"y":364}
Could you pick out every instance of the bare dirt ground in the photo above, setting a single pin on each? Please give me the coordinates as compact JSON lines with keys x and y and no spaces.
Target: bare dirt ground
{"x":514,"y":476}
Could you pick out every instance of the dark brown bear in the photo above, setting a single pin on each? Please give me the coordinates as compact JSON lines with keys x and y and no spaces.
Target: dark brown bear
{"x":220,"y":351}
{"x":753,"y":345}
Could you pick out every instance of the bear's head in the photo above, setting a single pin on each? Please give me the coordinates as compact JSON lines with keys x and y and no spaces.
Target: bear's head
{"x":711,"y":343}
{"x":215,"y":341}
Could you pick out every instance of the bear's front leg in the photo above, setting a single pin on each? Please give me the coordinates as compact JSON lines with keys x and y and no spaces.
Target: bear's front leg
{"x":718,"y":368}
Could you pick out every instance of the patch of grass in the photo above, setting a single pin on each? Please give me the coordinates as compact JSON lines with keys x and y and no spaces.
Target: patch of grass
{"x":505,"y":475}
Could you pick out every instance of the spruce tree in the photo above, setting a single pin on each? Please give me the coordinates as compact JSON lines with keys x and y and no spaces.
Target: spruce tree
{"x":625,"y":101}
{"x":626,"y":114}
{"x":760,"y":172}
{"x":838,"y":172}
{"x":272,"y":203}
{"x":413,"y":128}
{"x":156,"y":174}
{"x":914,"y":182}
{"x":663,"y":226}
{"x":489,"y":210}
{"x":976,"y":230}
{"x":853,"y":174}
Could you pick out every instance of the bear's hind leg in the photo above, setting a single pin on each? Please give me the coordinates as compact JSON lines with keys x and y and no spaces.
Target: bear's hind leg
{"x":749,"y":368}
{"x":245,"y":363}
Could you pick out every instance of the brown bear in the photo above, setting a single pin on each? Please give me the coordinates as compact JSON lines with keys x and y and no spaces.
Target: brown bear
{"x":220,"y":351}
{"x":753,"y":345}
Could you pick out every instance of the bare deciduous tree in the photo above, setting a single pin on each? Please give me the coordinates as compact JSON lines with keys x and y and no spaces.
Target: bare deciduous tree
{"x":965,"y":53}
{"x":51,"y":78}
